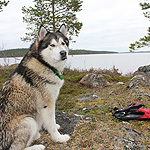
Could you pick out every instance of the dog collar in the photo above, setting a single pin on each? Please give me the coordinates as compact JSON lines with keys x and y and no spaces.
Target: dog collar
{"x":56,"y":72}
{"x":48,"y":66}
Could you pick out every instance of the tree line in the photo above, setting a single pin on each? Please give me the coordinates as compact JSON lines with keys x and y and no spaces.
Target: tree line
{"x":22,"y":51}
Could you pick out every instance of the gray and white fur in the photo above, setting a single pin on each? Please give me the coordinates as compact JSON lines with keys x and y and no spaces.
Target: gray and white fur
{"x":28,"y":97}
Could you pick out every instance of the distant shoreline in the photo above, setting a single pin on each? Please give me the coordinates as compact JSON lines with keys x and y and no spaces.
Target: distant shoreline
{"x":20,"y":52}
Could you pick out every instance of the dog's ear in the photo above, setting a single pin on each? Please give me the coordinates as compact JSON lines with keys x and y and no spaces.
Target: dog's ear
{"x":42,"y":32}
{"x":63,"y":30}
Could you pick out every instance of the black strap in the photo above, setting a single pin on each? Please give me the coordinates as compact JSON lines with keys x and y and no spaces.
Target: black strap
{"x":39,"y":58}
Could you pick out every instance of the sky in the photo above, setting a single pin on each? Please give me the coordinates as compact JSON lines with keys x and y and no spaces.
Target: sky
{"x":108,"y":25}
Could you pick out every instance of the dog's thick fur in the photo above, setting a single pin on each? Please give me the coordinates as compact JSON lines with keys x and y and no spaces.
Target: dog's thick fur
{"x":28,"y":97}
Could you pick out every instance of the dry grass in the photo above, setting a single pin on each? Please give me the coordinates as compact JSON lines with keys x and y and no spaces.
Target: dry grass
{"x":107,"y":132}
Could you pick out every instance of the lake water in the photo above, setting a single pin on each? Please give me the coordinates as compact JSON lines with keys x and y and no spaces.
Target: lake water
{"x":125,"y":62}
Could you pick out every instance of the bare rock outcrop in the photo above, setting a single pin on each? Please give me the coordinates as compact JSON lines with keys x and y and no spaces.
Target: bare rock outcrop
{"x":94,"y":80}
{"x":141,"y":77}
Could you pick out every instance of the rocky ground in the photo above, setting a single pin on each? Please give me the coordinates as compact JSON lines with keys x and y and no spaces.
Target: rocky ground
{"x":84,"y":111}
{"x":96,"y":128}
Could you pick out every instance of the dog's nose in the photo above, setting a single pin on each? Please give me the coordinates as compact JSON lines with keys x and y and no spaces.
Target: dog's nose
{"x":63,"y":55}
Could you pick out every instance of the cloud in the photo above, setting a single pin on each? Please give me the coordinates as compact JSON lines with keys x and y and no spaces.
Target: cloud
{"x":111,"y":25}
{"x":107,"y":24}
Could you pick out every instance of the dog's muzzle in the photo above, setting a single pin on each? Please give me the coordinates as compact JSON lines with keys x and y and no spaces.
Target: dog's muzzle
{"x":63,"y":55}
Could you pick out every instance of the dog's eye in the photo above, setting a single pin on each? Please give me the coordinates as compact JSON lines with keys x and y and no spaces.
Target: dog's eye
{"x":63,"y":43}
{"x":52,"y":45}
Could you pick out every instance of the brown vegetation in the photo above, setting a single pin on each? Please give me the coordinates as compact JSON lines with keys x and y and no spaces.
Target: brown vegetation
{"x":101,"y":130}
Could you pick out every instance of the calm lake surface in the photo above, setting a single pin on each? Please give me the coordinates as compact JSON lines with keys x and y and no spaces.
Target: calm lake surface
{"x":125,"y":62}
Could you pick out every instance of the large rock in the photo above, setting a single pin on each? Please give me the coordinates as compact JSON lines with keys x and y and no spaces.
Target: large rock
{"x":94,"y":80}
{"x":143,"y":70}
{"x":141,"y":77}
{"x":139,"y":80}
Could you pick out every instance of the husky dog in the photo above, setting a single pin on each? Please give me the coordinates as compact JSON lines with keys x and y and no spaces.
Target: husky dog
{"x":28,"y":97}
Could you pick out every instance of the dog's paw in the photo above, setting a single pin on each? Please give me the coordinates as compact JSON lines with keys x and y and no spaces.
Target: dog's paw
{"x":61,"y":138}
{"x":35,"y":147}
{"x":57,"y":126}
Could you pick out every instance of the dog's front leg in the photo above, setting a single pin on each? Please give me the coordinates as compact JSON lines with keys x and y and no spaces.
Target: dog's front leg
{"x":49,"y":122}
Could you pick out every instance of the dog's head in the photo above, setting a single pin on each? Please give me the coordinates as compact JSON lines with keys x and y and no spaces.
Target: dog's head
{"x":53,"y":46}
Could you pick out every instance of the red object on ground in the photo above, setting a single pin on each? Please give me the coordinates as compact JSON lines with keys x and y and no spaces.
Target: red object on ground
{"x":132,"y":112}
{"x":146,"y":111}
